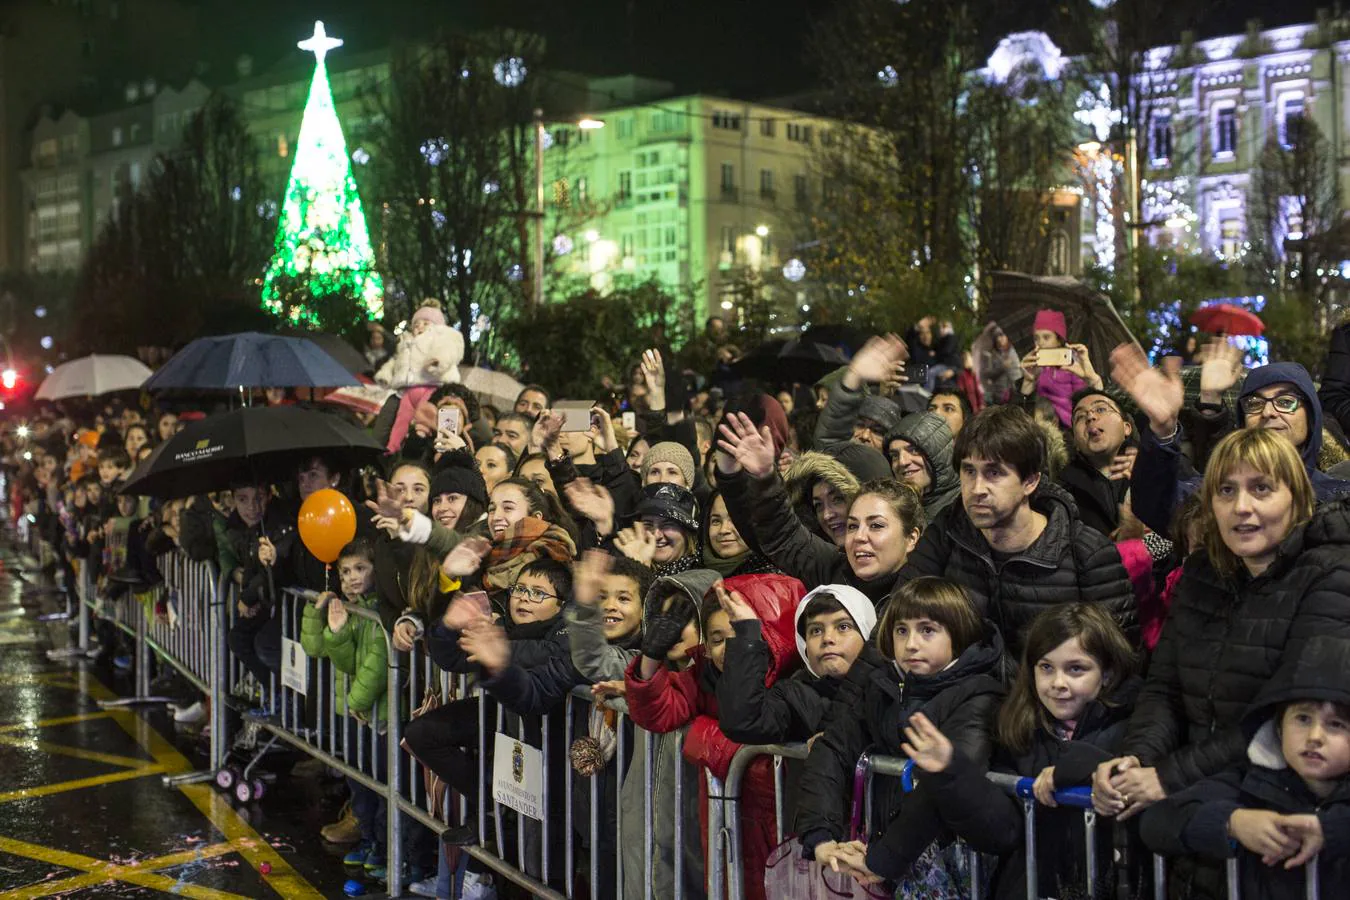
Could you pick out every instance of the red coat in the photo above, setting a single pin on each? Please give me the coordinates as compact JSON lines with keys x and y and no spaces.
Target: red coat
{"x":669,"y":700}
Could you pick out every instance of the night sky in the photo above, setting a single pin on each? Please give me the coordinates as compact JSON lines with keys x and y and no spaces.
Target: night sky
{"x":750,"y":48}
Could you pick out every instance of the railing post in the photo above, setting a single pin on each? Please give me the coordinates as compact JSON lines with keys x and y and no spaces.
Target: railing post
{"x":716,"y":857}
{"x":394,"y":767}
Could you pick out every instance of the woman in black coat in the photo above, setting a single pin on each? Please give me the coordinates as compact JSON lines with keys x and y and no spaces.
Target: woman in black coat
{"x":1272,"y":574}
{"x":886,"y":519}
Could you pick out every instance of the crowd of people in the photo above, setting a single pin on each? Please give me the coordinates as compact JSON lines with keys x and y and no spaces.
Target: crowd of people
{"x":1134,"y":578}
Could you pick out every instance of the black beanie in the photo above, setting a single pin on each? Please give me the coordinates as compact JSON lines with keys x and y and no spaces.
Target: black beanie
{"x":460,"y":480}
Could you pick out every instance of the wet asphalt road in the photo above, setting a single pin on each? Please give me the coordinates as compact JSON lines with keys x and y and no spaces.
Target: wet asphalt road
{"x":83,"y":811}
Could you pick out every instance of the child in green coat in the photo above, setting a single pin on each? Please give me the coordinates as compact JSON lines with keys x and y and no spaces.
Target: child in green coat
{"x":358,"y":649}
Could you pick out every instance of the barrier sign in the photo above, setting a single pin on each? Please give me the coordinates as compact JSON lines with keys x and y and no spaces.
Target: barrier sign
{"x":518,"y":776}
{"x":294,"y":666}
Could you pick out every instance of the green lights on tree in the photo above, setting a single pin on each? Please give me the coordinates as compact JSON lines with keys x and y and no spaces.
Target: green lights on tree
{"x":323,"y":247}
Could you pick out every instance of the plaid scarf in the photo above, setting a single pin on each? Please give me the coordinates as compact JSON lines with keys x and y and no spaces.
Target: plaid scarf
{"x":528,"y":540}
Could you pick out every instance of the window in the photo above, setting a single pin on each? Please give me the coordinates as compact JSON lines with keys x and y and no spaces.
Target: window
{"x":625,"y":126}
{"x":1160,"y":139}
{"x":767,"y":127}
{"x":1225,"y":131}
{"x":728,"y":177}
{"x":669,"y":236}
{"x":724,"y":119}
{"x":626,"y":244}
{"x":625,"y":185}
{"x":117,"y":136}
{"x":728,"y":242}
{"x":1290,"y":111}
{"x":1231,"y":234}
{"x":1293,"y":208}
{"x":799,"y":133}
{"x":766,"y":245}
{"x":766,"y":183}
{"x":283,"y":146}
{"x":665,"y":121}
{"x":799,"y":190}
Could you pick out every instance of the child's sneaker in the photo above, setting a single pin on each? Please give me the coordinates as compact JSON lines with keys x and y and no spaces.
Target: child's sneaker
{"x":374,"y":861}
{"x":354,"y":887}
{"x":358,"y":855}
{"x":122,"y":663}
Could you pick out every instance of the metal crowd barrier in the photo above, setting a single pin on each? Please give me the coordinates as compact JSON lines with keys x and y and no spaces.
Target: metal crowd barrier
{"x":900,"y":767}
{"x":194,"y":641}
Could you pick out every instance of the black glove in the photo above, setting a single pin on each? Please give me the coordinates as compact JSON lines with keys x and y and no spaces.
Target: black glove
{"x":661,"y":635}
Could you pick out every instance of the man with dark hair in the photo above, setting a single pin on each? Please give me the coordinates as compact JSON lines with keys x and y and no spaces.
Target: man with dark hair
{"x":532,"y":400}
{"x":919,"y":450}
{"x":1098,"y":473}
{"x":1015,"y":542}
{"x":952,"y":405}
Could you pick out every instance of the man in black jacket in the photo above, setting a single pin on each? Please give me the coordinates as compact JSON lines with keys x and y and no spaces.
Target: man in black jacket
{"x":1015,"y":542}
{"x":1096,"y":476}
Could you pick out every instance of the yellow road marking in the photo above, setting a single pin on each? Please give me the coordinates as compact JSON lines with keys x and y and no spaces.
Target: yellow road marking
{"x":97,"y":871}
{"x":112,"y":759}
{"x":52,"y":723}
{"x":283,"y":878}
{"x":62,"y":787}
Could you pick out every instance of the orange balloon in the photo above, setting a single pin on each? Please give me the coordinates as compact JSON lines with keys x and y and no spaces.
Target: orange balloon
{"x":327,"y":524}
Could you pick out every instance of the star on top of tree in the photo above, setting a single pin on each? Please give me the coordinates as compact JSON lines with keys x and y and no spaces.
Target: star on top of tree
{"x":320,"y":43}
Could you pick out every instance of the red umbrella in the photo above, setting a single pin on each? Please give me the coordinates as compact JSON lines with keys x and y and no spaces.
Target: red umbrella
{"x":1225,"y":318}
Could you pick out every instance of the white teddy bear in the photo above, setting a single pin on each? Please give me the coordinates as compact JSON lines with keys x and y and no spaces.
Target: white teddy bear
{"x":428,"y":352}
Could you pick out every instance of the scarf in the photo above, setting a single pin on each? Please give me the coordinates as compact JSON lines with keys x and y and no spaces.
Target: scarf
{"x":748,"y":563}
{"x":676,"y":566}
{"x":529,"y":539}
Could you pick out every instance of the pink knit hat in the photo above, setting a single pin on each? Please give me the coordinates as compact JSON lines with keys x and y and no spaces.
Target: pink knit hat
{"x":1051,"y":320}
{"x":430,"y":314}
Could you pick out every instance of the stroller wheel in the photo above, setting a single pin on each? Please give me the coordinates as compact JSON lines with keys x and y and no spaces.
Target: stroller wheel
{"x":259,"y":788}
{"x":243,"y":792}
{"x":227,"y":777}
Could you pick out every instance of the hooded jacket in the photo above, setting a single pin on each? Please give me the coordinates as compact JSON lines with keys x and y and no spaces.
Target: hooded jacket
{"x":790,"y":709}
{"x":1195,"y":821}
{"x":930,"y":435}
{"x":1224,"y":640}
{"x":670,"y":700}
{"x":1066,"y":564}
{"x":801,"y":478}
{"x":870,"y":713}
{"x":1156,"y":486}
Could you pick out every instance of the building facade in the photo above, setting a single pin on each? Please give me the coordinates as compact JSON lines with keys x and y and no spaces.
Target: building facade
{"x":1215,"y":105}
{"x":699,"y":191}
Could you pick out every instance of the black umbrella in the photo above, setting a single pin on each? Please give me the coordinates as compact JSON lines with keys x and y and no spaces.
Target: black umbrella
{"x":266,"y":443}
{"x":1090,"y":317}
{"x":796,"y":360}
{"x":250,"y":360}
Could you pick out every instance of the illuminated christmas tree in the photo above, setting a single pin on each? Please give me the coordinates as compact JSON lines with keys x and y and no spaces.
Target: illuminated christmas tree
{"x":323,"y":247}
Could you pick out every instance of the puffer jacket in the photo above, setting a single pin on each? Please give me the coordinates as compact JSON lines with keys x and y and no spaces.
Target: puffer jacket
{"x":1066,"y":564}
{"x":1195,"y":822}
{"x":1157,"y":487}
{"x":870,"y":714}
{"x":763,"y":502}
{"x":988,"y":819}
{"x":358,"y":650}
{"x":1335,"y":391}
{"x":931,"y":436}
{"x":1224,"y":640}
{"x":670,"y":700}
{"x":1098,"y":498}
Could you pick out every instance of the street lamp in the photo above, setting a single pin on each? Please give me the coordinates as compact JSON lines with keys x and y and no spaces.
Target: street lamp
{"x":585,"y":124}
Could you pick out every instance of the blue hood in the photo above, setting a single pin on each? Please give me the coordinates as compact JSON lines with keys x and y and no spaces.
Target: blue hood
{"x":1293,"y":373}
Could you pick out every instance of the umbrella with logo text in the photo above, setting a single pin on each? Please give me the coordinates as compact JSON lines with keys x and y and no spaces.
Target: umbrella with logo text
{"x":263,"y":443}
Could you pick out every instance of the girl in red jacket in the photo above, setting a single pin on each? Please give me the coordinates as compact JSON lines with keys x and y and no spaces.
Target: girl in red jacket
{"x":661,"y":700}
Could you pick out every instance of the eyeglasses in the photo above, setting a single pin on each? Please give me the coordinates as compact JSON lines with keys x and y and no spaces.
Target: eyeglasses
{"x":1283,"y":403}
{"x":531,"y":595}
{"x":1100,"y":411}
